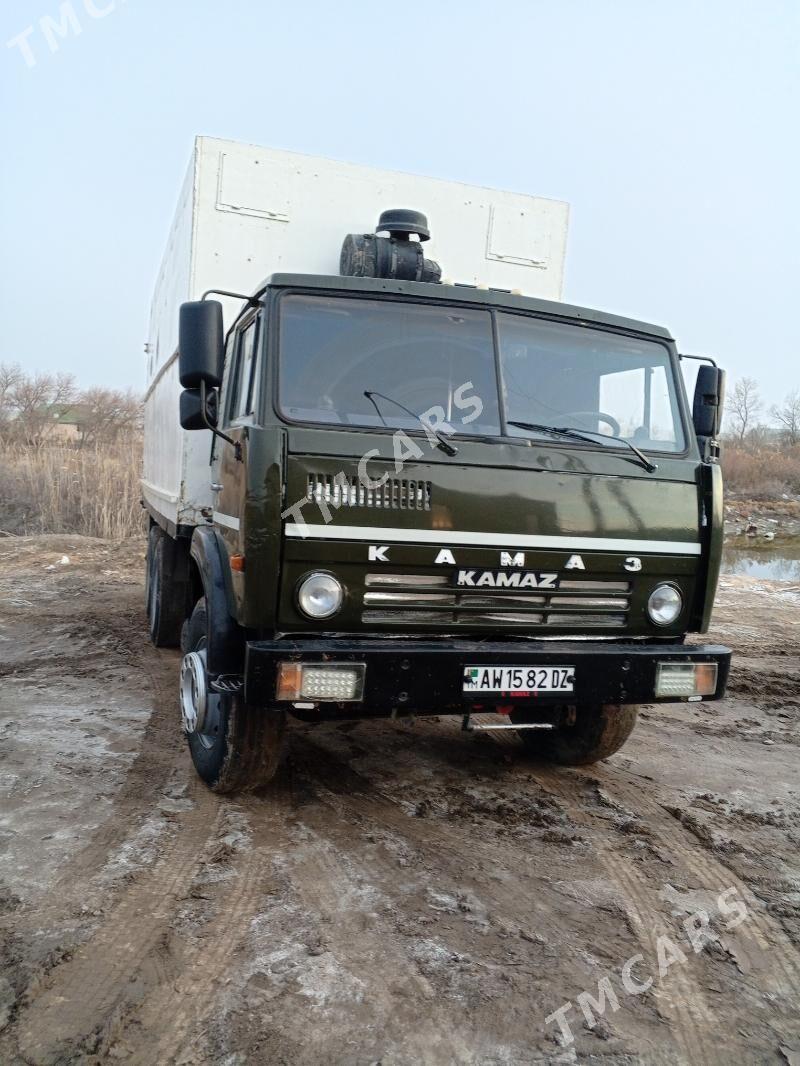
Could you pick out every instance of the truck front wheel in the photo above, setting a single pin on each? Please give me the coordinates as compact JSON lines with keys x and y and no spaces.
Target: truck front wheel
{"x":234,"y":746}
{"x":597,"y":732}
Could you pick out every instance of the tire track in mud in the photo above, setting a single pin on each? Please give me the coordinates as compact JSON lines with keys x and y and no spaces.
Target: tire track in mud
{"x":445,"y":846}
{"x":699,"y":1032}
{"x":41,"y":1013}
{"x":183,"y":973}
{"x":681,"y":999}
{"x":114,"y":637}
{"x":175,"y":1007}
{"x":318,"y":874}
{"x":356,"y":796}
{"x":764,"y":940}
{"x":161,"y":751}
{"x":759,"y":944}
{"x":325,"y":876}
{"x":129,"y":933}
{"x":80,"y":995}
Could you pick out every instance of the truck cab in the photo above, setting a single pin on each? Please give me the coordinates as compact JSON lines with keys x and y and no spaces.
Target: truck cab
{"x":431,"y":498}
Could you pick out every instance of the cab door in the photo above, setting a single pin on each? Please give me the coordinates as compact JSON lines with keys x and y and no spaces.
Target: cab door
{"x":236,"y":416}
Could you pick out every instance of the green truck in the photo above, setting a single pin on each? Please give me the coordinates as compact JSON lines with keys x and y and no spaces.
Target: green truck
{"x":429,"y":498}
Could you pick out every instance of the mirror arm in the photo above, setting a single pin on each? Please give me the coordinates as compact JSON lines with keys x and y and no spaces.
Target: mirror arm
{"x":249,"y":301}
{"x":699,"y":358}
{"x":237,"y":447}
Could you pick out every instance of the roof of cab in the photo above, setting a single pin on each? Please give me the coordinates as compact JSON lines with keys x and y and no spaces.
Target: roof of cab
{"x":494,"y":298}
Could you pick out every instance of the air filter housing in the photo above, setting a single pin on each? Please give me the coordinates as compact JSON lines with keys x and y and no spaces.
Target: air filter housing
{"x":397,"y":256}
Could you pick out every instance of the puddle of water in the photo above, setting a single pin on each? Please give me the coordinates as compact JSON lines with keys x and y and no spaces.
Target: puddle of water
{"x":778,"y":563}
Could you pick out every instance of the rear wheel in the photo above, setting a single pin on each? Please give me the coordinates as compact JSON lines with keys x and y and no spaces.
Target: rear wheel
{"x":234,"y":746}
{"x":597,"y":732}
{"x":165,"y":599}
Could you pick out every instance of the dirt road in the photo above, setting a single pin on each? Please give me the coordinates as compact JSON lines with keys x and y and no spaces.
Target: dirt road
{"x":405,"y":893}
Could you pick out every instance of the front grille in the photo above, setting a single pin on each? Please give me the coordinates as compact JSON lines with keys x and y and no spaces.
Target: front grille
{"x":429,"y":599}
{"x":398,"y":494}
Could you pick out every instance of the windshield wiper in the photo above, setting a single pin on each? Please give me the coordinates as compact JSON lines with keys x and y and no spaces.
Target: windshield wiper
{"x":586,"y":435}
{"x":443,"y":443}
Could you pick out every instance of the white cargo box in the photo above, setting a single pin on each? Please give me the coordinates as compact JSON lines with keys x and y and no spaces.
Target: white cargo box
{"x":246,"y":212}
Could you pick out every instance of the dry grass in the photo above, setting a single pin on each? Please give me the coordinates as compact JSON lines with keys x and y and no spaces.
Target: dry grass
{"x":57,"y":487}
{"x":763,"y":473}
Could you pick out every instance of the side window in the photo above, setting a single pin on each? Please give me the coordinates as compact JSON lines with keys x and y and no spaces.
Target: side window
{"x":241,"y":402}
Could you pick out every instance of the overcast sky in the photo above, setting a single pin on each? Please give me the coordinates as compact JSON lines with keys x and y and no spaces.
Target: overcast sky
{"x":671,"y":128}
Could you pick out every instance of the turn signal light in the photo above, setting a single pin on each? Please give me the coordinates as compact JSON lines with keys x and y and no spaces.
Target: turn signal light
{"x":321,"y":682}
{"x":686,"y":680}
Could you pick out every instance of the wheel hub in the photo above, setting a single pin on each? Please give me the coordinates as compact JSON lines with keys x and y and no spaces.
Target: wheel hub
{"x":194,"y":692}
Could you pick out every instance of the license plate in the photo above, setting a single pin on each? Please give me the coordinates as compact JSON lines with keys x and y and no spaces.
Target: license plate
{"x":505,"y":579}
{"x":518,"y":680}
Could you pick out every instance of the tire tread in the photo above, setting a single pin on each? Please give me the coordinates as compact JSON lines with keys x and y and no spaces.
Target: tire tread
{"x":599,"y":731}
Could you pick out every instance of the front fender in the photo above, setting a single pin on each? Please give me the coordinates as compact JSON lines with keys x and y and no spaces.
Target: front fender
{"x":712,"y":534}
{"x":225,"y":652}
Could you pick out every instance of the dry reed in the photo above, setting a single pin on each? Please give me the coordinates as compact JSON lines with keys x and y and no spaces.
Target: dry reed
{"x":762,"y":473}
{"x":58,"y":487}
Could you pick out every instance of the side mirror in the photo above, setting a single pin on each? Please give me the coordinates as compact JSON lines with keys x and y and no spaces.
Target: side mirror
{"x":191,"y":409}
{"x":709,"y":401}
{"x":201,"y":344}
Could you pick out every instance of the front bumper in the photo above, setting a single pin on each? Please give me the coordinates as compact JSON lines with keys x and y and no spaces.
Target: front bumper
{"x":425,"y":676}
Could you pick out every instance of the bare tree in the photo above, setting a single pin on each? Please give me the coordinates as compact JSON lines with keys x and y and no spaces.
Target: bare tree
{"x":32,"y":405}
{"x":10,"y":377}
{"x":744,"y":404}
{"x":787,"y":415}
{"x":37,"y":401}
{"x":107,"y":414}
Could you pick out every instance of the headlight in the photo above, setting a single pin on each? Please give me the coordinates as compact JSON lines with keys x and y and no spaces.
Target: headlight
{"x":664,"y":605}
{"x":319,"y":595}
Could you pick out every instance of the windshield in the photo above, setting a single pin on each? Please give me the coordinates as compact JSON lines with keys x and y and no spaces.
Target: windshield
{"x":335,"y":349}
{"x":587,"y":379}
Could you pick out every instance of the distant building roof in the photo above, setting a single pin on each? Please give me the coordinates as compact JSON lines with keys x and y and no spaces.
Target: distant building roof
{"x":71,"y":414}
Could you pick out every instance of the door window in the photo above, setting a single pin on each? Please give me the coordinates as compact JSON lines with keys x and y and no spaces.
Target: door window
{"x":243,"y":383}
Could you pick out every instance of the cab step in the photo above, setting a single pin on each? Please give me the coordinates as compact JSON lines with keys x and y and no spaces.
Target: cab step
{"x":227,"y":683}
{"x":469,"y":726}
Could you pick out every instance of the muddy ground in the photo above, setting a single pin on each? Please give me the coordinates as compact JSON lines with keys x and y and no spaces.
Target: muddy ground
{"x":405,"y":893}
